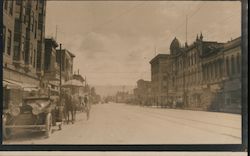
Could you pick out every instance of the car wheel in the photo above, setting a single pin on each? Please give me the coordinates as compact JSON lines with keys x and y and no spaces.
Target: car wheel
{"x":48,"y":125}
{"x":6,"y":131}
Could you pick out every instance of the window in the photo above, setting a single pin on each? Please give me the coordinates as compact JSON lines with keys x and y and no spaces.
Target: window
{"x":31,"y":53}
{"x":37,"y":4}
{"x":24,"y":14}
{"x":32,"y":21}
{"x":208,"y":72}
{"x":238,"y":63}
{"x":16,"y":50}
{"x":18,"y":2}
{"x":11,"y":7}
{"x":34,"y":60}
{"x":216,"y":69}
{"x":232,"y":65}
{"x":227,"y":67}
{"x":35,"y":28}
{"x":195,"y":58}
{"x":192,"y":59}
{"x":221,"y":69}
{"x":212,"y":71}
{"x":9,"y":42}
{"x":23,"y":46}
{"x":4,"y":36}
{"x":6,"y":5}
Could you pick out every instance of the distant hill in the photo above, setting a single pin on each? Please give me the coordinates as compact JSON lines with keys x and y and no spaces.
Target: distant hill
{"x":106,"y":90}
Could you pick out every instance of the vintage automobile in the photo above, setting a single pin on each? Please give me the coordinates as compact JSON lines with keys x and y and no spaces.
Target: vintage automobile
{"x":36,"y":112}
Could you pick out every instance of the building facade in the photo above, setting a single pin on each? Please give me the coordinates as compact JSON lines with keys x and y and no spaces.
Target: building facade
{"x":51,"y":67}
{"x":67,"y":63}
{"x":142,"y":93}
{"x":205,"y":75}
{"x":159,"y":79}
{"x":23,"y":38}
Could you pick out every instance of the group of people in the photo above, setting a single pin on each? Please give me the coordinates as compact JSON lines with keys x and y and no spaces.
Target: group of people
{"x":73,"y":103}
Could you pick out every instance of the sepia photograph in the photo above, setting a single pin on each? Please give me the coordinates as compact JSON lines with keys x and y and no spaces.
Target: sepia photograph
{"x":122,"y":72}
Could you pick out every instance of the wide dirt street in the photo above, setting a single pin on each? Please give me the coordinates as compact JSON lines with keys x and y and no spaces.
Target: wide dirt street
{"x":114,"y":123}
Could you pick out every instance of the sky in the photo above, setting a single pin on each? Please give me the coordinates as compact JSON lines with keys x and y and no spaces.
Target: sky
{"x":114,"y":40}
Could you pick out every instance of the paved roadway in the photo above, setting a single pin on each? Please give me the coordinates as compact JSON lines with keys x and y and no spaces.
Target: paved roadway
{"x":114,"y":123}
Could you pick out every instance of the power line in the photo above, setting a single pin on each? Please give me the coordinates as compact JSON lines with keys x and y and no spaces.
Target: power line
{"x":183,"y":23}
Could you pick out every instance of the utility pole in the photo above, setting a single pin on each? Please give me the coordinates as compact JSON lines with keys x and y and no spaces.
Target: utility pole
{"x":60,"y":68}
{"x":186,"y":27}
{"x":85,"y":81}
{"x":155,"y":50}
{"x":56,"y":32}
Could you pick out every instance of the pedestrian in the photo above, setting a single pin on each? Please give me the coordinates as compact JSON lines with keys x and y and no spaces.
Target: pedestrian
{"x":174,"y":103}
{"x":87,"y":105}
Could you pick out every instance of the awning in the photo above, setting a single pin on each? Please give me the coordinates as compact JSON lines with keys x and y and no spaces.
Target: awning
{"x":30,"y":88}
{"x":73,"y":83}
{"x":16,"y":84}
{"x":10,"y":85}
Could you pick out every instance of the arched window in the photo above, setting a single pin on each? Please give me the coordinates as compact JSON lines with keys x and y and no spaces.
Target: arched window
{"x":238,"y":63}
{"x":232,"y":65}
{"x":227,"y":66}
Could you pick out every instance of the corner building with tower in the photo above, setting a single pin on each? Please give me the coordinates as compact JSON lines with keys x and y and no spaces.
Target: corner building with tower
{"x":205,"y":75}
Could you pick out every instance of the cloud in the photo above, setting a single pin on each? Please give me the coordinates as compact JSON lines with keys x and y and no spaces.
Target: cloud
{"x":114,"y":41}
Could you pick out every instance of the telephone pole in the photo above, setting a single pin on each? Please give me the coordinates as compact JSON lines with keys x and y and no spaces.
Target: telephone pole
{"x":56,"y":32}
{"x":60,"y":72}
{"x":186,"y":27}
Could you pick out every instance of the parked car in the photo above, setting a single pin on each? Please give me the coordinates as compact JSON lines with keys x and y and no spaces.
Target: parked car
{"x":36,"y":112}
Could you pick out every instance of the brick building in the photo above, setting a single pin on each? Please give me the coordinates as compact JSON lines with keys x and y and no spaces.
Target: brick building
{"x":205,"y":75}
{"x":23,"y":38}
{"x":159,"y":79}
{"x":67,"y":63}
{"x":23,"y":47}
{"x":51,"y":67}
{"x":142,"y":93}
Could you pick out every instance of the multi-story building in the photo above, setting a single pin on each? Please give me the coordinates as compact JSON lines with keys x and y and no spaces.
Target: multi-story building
{"x":159,"y":79}
{"x":67,"y":63}
{"x":51,"y":67}
{"x":230,"y":93}
{"x":205,"y":75}
{"x":23,"y":38}
{"x":143,"y":93}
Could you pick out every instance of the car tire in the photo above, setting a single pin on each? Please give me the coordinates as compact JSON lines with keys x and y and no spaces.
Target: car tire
{"x":6,"y":131}
{"x":48,"y":124}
